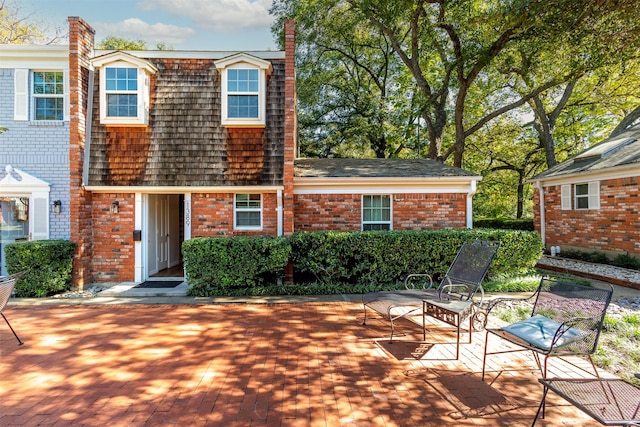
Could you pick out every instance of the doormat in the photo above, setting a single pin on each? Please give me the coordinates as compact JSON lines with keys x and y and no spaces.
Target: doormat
{"x":159,"y":284}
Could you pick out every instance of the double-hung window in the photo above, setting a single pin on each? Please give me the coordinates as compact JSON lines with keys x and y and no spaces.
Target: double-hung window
{"x":41,"y":95}
{"x":248,"y":211}
{"x":585,"y":196}
{"x":121,"y":88}
{"x":48,"y":95}
{"x":243,"y":93}
{"x":125,"y":85}
{"x":243,"y":89}
{"x":376,"y":212}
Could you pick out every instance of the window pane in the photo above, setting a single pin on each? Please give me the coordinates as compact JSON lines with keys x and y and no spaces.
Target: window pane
{"x":376,"y":212}
{"x":582,"y":189}
{"x":121,"y":79}
{"x":47,"y":83}
{"x":582,"y":203}
{"x":243,"y":106}
{"x":241,"y":80}
{"x":248,"y":219}
{"x":122,"y":105}
{"x":49,"y":108}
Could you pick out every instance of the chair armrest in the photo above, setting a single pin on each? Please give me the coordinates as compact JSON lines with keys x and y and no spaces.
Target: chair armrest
{"x":493,"y":303}
{"x":410,"y":281}
{"x":569,"y":325}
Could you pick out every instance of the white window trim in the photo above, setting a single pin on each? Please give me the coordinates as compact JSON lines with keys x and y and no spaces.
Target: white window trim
{"x":38,"y":193}
{"x":248,"y":62}
{"x":363,"y":222}
{"x":24,"y":98}
{"x":145,"y":70}
{"x":64,"y":96}
{"x":236,"y":210}
{"x":592,"y":196}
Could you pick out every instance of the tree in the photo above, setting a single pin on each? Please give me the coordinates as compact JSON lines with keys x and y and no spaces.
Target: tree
{"x":352,"y":100}
{"x":19,"y":28}
{"x":119,"y":43}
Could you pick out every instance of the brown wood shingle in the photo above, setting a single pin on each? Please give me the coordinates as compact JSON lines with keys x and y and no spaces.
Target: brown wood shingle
{"x":184,"y":143}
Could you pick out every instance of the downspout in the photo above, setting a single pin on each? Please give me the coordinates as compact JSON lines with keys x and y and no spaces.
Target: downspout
{"x":470,"y":194}
{"x":543,"y":228}
{"x":87,"y":137}
{"x":279,"y":213}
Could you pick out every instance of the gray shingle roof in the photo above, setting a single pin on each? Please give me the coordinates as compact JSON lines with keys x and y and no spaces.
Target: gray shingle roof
{"x":376,"y":168}
{"x":621,"y":150}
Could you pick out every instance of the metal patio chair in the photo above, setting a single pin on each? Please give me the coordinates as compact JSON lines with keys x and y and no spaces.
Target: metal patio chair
{"x":610,"y":401}
{"x":6,"y":288}
{"x":566,"y":320}
{"x":461,"y":282}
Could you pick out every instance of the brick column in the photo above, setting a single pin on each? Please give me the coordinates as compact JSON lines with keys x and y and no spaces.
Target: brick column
{"x":290,"y":135}
{"x":290,"y":125}
{"x":81,"y":44}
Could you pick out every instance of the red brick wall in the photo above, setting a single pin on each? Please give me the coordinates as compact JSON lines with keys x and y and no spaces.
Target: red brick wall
{"x":420,"y":211}
{"x":113,"y":248}
{"x":316,"y":212}
{"x":212,"y":216}
{"x":80,"y":50}
{"x":614,"y":227}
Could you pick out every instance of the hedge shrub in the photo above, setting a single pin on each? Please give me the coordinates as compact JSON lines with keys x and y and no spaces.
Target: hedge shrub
{"x":47,"y":265}
{"x":386,"y":257}
{"x":506,"y":224}
{"x":345,"y":262}
{"x":233,"y":262}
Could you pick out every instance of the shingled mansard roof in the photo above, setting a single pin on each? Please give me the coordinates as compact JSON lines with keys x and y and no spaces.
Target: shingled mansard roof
{"x":619,"y":152}
{"x":185,"y":144}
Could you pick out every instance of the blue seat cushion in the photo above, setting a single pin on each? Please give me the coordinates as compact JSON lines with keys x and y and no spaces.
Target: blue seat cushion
{"x":539,"y":331}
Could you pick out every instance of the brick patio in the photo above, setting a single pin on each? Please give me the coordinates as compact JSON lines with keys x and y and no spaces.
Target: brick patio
{"x":302,"y":364}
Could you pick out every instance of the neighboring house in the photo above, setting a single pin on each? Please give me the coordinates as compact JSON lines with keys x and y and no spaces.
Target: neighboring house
{"x":34,"y":151}
{"x":163,"y":146}
{"x":591,"y":202}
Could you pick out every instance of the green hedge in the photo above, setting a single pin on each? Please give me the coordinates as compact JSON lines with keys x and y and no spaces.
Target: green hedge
{"x":219,"y":263}
{"x":386,"y":257}
{"x":506,"y":224}
{"x":47,"y":263}
{"x":347,"y":262}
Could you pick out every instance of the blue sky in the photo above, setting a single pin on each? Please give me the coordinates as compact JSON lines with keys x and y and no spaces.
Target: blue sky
{"x":183,"y":24}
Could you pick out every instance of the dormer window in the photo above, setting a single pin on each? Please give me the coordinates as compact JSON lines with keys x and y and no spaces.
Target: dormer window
{"x":243,"y":90}
{"x":121,"y":89}
{"x":243,"y":93}
{"x":124,"y":89}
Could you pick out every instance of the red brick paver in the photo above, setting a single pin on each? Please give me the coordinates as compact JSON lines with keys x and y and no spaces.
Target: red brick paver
{"x":306,"y":364}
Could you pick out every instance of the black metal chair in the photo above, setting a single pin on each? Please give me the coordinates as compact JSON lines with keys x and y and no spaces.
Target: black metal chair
{"x":566,"y":320}
{"x":461,"y":282}
{"x":6,"y":288}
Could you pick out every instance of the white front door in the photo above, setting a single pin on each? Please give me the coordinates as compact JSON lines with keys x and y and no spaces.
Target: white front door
{"x":162,"y":231}
{"x":158,"y":233}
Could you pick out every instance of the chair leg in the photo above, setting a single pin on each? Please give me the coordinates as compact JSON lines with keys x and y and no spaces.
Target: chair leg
{"x":484,"y":359}
{"x":14,"y":332}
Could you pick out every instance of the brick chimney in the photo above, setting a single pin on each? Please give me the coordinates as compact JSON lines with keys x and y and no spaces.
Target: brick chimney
{"x":290,"y":125}
{"x":81,"y":45}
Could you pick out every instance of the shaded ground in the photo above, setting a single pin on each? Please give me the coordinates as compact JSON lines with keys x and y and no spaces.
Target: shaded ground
{"x":303,"y":364}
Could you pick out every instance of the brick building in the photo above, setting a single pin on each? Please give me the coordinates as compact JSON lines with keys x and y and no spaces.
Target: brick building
{"x":591,"y":202}
{"x":131,"y":153}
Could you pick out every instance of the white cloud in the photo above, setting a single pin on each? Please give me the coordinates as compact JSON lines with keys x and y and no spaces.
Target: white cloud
{"x":151,"y":33}
{"x":216,"y":15}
